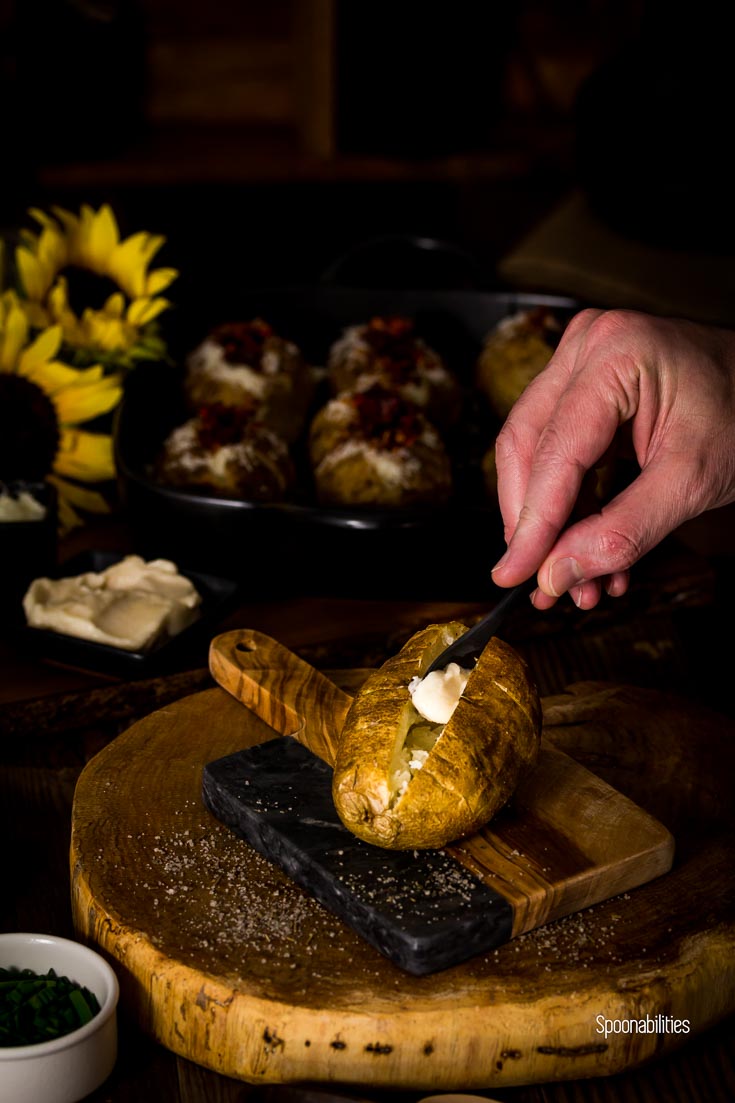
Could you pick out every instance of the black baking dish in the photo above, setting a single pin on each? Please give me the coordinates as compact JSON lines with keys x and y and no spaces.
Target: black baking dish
{"x":300,"y":546}
{"x":218,"y":595}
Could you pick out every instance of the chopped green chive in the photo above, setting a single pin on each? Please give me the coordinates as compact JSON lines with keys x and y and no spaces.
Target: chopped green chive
{"x":35,"y":1008}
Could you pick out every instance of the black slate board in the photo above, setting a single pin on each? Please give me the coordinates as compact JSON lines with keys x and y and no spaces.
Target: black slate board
{"x":420,"y":908}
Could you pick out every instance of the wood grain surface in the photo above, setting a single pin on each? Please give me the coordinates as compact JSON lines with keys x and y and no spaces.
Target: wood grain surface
{"x":566,"y":841}
{"x":227,"y":963}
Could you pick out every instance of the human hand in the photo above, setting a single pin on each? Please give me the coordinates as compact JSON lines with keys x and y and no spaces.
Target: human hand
{"x":672,"y":383}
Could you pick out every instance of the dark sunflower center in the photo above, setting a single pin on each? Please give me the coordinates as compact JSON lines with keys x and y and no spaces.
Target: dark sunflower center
{"x":29,"y":430}
{"x":87,"y":289}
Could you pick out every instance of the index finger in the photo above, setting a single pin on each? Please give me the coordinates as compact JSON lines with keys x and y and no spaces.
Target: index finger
{"x":580,"y":429}
{"x":518,"y":439}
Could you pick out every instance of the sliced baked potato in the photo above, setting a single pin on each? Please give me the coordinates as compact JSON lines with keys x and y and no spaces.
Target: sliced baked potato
{"x":403,"y":782}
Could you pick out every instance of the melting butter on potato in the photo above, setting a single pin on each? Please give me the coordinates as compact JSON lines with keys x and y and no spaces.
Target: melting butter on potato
{"x":422,"y":762}
{"x":436,"y":695}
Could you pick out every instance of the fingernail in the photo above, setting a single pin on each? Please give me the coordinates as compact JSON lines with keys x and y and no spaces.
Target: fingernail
{"x":500,"y":563}
{"x":615,"y":585}
{"x":577,"y":595}
{"x":533,"y":598}
{"x":563,"y":574}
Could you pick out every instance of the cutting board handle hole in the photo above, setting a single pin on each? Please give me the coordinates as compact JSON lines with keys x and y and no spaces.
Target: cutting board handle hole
{"x":246,"y":647}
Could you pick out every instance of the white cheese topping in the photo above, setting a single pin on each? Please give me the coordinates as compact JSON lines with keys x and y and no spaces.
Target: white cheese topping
{"x":183,"y":449}
{"x":393,"y":468}
{"x":131,"y":605}
{"x":22,"y":507}
{"x":435,"y":697}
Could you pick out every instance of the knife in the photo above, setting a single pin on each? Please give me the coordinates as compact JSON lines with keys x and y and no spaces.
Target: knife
{"x":465,"y":650}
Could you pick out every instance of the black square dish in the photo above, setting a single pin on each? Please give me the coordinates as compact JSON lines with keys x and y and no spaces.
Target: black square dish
{"x":218,"y":595}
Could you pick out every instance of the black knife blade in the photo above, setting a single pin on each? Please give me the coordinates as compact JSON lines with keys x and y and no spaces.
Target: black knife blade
{"x":470,"y":646}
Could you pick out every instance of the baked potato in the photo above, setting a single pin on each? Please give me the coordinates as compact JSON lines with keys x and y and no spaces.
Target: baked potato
{"x":226,"y":452}
{"x":388,"y":350}
{"x":241,"y":362}
{"x":404,"y":782}
{"x":375,"y":448}
{"x":513,"y":353}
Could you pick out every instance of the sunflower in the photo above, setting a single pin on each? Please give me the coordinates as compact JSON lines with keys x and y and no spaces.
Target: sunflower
{"x":76,"y":273}
{"x":43,"y":405}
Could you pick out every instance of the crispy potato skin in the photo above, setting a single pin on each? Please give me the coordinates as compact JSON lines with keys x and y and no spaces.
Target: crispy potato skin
{"x":491,"y":740}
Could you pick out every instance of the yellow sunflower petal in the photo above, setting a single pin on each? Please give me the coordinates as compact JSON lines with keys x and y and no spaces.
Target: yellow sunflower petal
{"x":41,"y":217}
{"x":106,"y":334}
{"x":91,"y":375}
{"x":152,"y":244}
{"x":115,"y":305}
{"x":8,"y":299}
{"x":85,"y":456}
{"x":145,"y":310}
{"x":159,"y":280}
{"x":89,"y":500}
{"x":103,"y":237}
{"x":12,"y":338}
{"x":53,"y":376}
{"x":127,"y":264}
{"x":87,"y":218}
{"x":69,"y":221}
{"x":61,"y":313}
{"x":38,"y":317}
{"x":78,"y":403}
{"x":45,"y":346}
{"x":32,"y":275}
{"x":68,"y":517}
{"x":80,"y":243}
{"x":51,"y":252}
{"x":58,"y":298}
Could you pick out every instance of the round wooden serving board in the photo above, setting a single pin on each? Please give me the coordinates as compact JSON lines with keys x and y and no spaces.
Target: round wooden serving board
{"x":226,"y":962}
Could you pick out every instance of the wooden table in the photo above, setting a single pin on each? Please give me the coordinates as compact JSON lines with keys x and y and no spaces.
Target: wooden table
{"x":53,"y":719}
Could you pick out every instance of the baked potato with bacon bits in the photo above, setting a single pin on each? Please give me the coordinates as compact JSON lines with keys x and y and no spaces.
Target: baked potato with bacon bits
{"x":424,"y":761}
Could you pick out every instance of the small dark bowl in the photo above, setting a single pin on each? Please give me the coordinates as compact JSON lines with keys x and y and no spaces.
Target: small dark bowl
{"x":28,"y":549}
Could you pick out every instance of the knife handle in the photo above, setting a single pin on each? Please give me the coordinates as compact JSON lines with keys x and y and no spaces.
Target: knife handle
{"x":280,"y":688}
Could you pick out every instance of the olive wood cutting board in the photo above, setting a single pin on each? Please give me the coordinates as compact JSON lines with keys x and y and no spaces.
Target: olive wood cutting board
{"x":566,"y":841}
{"x":226,"y":961}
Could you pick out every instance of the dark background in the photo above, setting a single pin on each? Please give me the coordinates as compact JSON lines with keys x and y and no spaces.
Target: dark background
{"x":266,"y":140}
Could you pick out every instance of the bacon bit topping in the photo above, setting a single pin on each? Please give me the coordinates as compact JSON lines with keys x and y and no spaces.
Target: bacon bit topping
{"x":385,"y":332}
{"x":387,"y":419}
{"x":243,"y":342}
{"x":220,"y":425}
{"x":394,"y":342}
